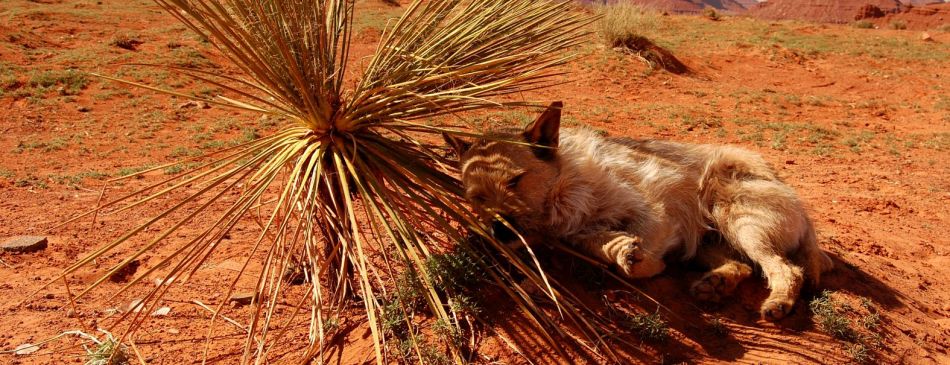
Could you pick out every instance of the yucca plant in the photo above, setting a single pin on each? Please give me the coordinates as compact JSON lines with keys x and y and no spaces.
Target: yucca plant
{"x":354,"y":184}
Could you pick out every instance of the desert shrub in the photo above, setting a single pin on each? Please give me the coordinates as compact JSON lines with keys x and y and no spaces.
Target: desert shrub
{"x":70,"y":81}
{"x":944,"y":28}
{"x":832,"y":321}
{"x":863,"y":24}
{"x":649,"y":327}
{"x":620,"y":27}
{"x":126,"y":41}
{"x":898,"y":24}
{"x":623,"y":21}
{"x":711,"y":14}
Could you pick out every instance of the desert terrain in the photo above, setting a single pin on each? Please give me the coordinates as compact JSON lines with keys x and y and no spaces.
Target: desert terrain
{"x":856,"y":120}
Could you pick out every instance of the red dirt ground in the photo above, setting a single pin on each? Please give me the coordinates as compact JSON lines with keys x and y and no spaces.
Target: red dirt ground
{"x":862,"y":133}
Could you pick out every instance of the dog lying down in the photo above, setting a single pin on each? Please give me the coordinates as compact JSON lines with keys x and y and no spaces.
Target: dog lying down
{"x":634,"y":203}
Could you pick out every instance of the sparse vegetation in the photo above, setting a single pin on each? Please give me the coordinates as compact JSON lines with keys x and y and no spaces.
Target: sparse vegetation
{"x":126,"y":41}
{"x":711,"y":14}
{"x":649,"y":327}
{"x":621,"y":26}
{"x":833,"y":318}
{"x":898,"y":25}
{"x":863,"y":24}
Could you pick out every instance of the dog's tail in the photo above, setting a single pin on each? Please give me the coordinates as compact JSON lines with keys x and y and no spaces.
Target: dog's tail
{"x":811,"y":257}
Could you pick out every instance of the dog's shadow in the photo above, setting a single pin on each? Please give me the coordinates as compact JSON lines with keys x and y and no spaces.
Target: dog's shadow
{"x":725,"y":331}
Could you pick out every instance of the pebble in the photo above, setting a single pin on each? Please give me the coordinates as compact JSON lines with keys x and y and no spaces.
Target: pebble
{"x":241,"y":299}
{"x":26,"y":349}
{"x":161,"y":312}
{"x":173,"y":331}
{"x":25,"y":244}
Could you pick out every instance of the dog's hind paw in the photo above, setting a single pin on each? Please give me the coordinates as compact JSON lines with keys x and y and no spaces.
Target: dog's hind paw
{"x":775,"y":309}
{"x":634,"y":262}
{"x":721,"y":282}
{"x":710,"y":288}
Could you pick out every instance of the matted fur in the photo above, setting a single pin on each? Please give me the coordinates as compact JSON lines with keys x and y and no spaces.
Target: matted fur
{"x":636,"y":203}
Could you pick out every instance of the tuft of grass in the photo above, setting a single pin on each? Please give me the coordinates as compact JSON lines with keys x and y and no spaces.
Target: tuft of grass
{"x":455,"y":272}
{"x":54,"y":144}
{"x":126,"y":41}
{"x":107,"y":351}
{"x":649,"y":327}
{"x":711,"y":14}
{"x":67,"y":82}
{"x":860,"y":353}
{"x":863,"y":24}
{"x":830,"y":318}
{"x":622,"y":26}
{"x":717,"y":327}
{"x":898,"y":25}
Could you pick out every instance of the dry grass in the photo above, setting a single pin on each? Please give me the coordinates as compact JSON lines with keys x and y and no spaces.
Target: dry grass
{"x":621,"y":26}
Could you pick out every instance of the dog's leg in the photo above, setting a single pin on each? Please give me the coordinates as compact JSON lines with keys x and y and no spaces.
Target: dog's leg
{"x":749,"y":233}
{"x":725,"y":273}
{"x":622,"y":249}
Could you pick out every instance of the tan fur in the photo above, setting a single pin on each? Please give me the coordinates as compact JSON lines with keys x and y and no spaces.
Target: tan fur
{"x":634,"y":203}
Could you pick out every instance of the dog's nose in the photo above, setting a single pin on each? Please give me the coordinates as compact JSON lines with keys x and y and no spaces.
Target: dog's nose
{"x":501,"y":232}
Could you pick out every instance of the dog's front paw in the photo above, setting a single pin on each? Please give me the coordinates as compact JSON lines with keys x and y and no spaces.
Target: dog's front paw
{"x":777,"y":308}
{"x":634,"y":262}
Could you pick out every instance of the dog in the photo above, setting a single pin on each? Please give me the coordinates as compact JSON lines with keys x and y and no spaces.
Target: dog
{"x":638,"y":203}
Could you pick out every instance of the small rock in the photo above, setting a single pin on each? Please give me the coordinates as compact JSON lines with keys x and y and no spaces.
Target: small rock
{"x":70,"y":313}
{"x":789,"y":162}
{"x":161,"y":312}
{"x":25,"y":244}
{"x":123,"y":274}
{"x":194,"y":104}
{"x":26,"y":349}
{"x":241,"y":299}
{"x":173,"y":331}
{"x":49,"y":296}
{"x":136,"y":306}
{"x":84,"y":109}
{"x":926,"y":37}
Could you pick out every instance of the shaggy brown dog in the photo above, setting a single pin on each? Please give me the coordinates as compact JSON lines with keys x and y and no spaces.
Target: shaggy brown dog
{"x":633,"y":202}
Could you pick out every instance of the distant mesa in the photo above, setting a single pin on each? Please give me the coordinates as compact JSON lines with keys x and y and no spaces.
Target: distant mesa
{"x":686,"y":6}
{"x":820,"y":11}
{"x":826,"y":11}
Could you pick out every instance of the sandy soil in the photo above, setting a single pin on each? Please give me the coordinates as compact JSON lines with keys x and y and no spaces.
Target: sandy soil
{"x":862,"y":133}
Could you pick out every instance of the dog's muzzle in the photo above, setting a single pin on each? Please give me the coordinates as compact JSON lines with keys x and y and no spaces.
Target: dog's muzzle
{"x":501,"y":232}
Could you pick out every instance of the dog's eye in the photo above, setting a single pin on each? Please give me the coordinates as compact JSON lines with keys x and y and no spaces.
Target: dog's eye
{"x":513,"y":183}
{"x":479,"y":199}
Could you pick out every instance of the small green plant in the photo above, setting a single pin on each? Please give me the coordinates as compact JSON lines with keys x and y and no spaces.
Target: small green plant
{"x":649,"y":327}
{"x":70,"y":82}
{"x":107,"y":351}
{"x":863,"y":24}
{"x":830,"y":318}
{"x":455,"y":272}
{"x":898,"y":25}
{"x":126,"y":41}
{"x":860,"y":353}
{"x":718,"y":327}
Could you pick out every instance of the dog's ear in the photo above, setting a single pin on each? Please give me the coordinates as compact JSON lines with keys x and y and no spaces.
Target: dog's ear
{"x":459,"y":145}
{"x":544,"y":131}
